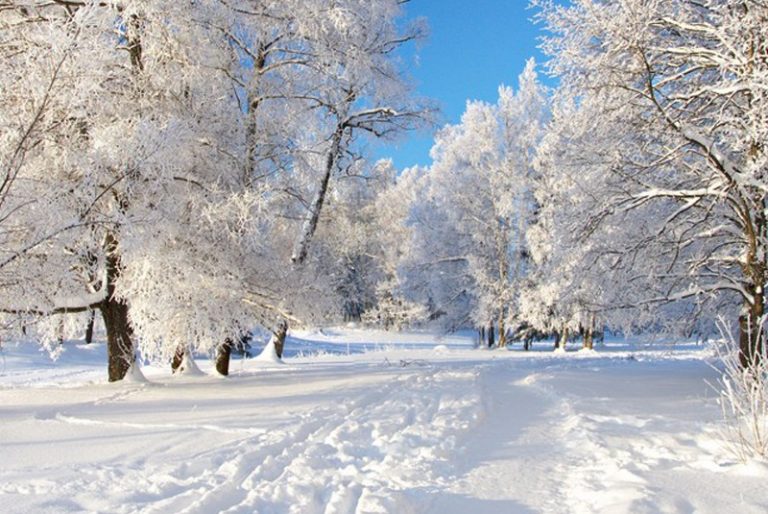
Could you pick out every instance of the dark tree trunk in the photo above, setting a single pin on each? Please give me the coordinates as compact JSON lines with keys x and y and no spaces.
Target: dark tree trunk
{"x":502,"y":331}
{"x":491,"y":335}
{"x":120,"y":354}
{"x":280,"y":332}
{"x":60,"y":337}
{"x":89,"y":327}
{"x":481,"y":336}
{"x":133,"y":40}
{"x":178,"y":358}
{"x":223,"y":353}
{"x":120,"y":351}
{"x":252,"y":128}
{"x":589,"y":334}
{"x":751,"y":338}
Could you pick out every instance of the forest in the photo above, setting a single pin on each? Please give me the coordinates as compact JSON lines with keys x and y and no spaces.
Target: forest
{"x":188,"y":171}
{"x":188,"y":180}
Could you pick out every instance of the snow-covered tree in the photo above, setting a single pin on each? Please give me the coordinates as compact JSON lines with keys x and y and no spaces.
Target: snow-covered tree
{"x":353,"y":236}
{"x":363,"y":92}
{"x":478,"y":205}
{"x":120,"y":106}
{"x":673,"y":88}
{"x":565,"y":286}
{"x":158,"y":156}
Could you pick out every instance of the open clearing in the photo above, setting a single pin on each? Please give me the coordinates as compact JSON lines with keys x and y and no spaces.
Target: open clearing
{"x":361,"y":422}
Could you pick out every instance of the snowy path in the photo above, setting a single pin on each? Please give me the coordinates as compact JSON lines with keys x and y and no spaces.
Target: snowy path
{"x":502,"y":462}
{"x":582,"y":436}
{"x":392,"y":431}
{"x":282,"y":441}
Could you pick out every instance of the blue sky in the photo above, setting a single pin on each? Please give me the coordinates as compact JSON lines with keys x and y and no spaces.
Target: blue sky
{"x":473,"y":47}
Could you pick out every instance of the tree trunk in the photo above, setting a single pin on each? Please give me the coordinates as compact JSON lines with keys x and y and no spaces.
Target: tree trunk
{"x":178,"y":358}
{"x":310,"y":224}
{"x":751,"y":338}
{"x":589,"y":334}
{"x":280,"y":332}
{"x":481,"y":336}
{"x":491,"y":335}
{"x":89,"y":327}
{"x":133,"y":43}
{"x":120,"y":353}
{"x":563,"y":339}
{"x":60,"y":337}
{"x":252,"y":129}
{"x":751,"y":350}
{"x":223,"y":352}
{"x":502,"y":331}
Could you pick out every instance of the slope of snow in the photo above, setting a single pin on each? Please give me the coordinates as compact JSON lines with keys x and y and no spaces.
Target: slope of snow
{"x":269,"y":354}
{"x":365,"y":422}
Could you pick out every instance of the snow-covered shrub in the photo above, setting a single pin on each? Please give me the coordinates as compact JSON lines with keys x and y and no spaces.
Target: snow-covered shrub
{"x":743,"y":399}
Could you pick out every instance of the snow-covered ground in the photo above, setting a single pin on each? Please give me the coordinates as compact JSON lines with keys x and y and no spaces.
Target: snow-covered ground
{"x":364,"y":422}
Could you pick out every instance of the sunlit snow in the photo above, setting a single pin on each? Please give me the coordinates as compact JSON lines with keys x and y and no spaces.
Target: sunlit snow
{"x":358,"y":421}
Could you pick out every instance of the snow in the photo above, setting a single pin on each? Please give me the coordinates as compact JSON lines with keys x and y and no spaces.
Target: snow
{"x":189,"y":366}
{"x":359,"y":421}
{"x":269,"y":354}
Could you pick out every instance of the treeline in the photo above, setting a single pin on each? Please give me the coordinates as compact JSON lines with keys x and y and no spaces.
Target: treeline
{"x":630,"y":196}
{"x":194,"y":169}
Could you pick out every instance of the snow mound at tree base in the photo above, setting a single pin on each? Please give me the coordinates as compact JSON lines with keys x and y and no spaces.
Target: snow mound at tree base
{"x":189,"y":367}
{"x":269,"y":354}
{"x":134,"y":375}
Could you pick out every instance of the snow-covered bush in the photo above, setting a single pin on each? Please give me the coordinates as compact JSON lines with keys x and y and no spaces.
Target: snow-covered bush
{"x":743,"y":399}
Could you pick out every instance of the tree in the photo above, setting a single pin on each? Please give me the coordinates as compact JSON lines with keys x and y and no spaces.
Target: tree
{"x":366,"y":93}
{"x":180,"y":173}
{"x":673,"y":89}
{"x":47,"y":50}
{"x":306,"y":78}
{"x":480,"y":205}
{"x":356,"y":235}
{"x":129,"y":148}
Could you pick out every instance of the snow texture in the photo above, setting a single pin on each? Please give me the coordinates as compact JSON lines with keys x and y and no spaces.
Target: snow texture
{"x":367,"y":422}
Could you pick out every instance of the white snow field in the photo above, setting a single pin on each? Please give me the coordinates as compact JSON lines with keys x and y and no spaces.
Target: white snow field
{"x":372,"y":422}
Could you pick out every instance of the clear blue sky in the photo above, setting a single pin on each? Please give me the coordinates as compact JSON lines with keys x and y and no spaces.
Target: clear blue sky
{"x":473,"y":47}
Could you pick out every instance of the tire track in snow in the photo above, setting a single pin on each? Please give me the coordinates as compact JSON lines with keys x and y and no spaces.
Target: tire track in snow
{"x":370,"y":454}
